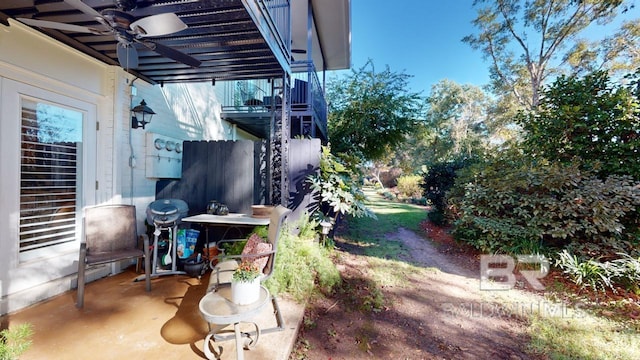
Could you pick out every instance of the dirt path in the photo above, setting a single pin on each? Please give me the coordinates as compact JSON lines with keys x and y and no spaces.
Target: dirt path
{"x":435,"y":314}
{"x":426,"y":254}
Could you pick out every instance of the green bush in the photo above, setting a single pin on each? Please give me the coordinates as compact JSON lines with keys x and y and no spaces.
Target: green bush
{"x":438,"y":179}
{"x":232,"y":248}
{"x":236,"y":247}
{"x":336,"y":190}
{"x":514,"y":206}
{"x":585,"y":273}
{"x":436,"y":217}
{"x":589,"y":121}
{"x":301,"y":267}
{"x":627,"y":272}
{"x":307,"y":227}
{"x":410,"y":185}
{"x":262,"y":231}
{"x":624,"y":271}
{"x":15,"y":341}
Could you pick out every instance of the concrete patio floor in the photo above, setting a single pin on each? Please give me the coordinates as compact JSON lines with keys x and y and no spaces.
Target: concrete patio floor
{"x":120,"y":319}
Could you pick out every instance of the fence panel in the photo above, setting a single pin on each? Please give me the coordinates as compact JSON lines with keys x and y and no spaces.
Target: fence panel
{"x":304,"y":160}
{"x":233,"y":173}
{"x":214,"y":170}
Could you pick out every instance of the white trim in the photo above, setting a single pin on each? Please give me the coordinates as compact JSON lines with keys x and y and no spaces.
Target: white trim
{"x":21,"y":273}
{"x":19,"y":74}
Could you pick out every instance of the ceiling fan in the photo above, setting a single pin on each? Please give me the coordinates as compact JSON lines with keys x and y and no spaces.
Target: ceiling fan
{"x":127,"y":29}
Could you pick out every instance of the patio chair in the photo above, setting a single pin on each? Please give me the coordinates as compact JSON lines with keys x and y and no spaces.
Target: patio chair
{"x":110,"y":235}
{"x":223,"y":266}
{"x":221,"y":275}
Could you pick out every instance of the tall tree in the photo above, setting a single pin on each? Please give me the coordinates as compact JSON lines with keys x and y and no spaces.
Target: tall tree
{"x":618,"y":53}
{"x":458,"y":114}
{"x":589,"y":121}
{"x":525,"y":40}
{"x":371,"y":112}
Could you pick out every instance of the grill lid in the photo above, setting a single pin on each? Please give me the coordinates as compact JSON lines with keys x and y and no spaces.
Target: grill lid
{"x":166,"y":211}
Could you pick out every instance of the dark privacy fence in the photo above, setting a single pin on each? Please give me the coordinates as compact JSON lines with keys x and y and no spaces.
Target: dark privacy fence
{"x":236,"y":173}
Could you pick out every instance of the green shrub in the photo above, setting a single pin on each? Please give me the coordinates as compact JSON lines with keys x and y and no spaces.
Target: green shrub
{"x":589,"y":121}
{"x":438,"y":179}
{"x":262,"y":231}
{"x":388,"y":195}
{"x":232,"y":248}
{"x":624,"y":271}
{"x":301,"y":267}
{"x":336,"y":190}
{"x":627,"y":270}
{"x":236,"y":247}
{"x":307,"y":227}
{"x":436,"y":217}
{"x":410,"y":185}
{"x":511,"y":206}
{"x":15,"y":341}
{"x":585,"y":273}
{"x":420,"y":201}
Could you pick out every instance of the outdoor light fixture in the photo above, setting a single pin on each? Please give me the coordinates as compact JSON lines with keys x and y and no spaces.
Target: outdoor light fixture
{"x":326,"y":227}
{"x":141,"y":111}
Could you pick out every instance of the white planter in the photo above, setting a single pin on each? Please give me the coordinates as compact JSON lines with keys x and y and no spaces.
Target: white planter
{"x":244,"y":293}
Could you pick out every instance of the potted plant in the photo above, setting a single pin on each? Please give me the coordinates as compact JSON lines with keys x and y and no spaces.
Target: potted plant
{"x":245,"y":283}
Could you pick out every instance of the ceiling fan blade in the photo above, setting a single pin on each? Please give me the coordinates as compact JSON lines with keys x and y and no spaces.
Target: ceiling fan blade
{"x":58,"y":26}
{"x":172,"y":53}
{"x":127,"y":56}
{"x":83,"y":7}
{"x":158,"y":25}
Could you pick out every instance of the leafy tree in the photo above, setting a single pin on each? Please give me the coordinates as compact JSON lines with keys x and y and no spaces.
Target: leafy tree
{"x":524,"y":40}
{"x":588,"y":120}
{"x":371,"y":112}
{"x":410,"y":155}
{"x":458,"y":114}
{"x":617,"y":53}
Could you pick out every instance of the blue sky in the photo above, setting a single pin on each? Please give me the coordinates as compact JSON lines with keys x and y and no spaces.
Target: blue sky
{"x":421,"y":38}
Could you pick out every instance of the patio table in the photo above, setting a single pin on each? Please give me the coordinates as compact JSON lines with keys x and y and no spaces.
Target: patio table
{"x":217,"y":308}
{"x":230,"y":221}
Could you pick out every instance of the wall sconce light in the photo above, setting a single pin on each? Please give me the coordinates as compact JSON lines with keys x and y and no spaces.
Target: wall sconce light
{"x":141,"y":111}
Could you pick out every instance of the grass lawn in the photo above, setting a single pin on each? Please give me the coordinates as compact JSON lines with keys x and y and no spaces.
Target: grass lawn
{"x":580,"y":333}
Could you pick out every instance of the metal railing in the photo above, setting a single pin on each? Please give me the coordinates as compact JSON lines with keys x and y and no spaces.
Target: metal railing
{"x":311,"y":98}
{"x":246,"y":96}
{"x":280,"y":13}
{"x":256,"y":96}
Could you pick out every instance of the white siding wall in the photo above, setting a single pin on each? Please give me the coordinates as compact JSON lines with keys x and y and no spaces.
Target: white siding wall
{"x":33,"y":65}
{"x":183,"y":111}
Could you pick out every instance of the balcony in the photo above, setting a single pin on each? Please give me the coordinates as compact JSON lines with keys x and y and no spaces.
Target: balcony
{"x":251,"y":104}
{"x":224,"y":39}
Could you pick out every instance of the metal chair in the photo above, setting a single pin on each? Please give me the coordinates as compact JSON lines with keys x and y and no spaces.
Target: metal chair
{"x":226,"y":264}
{"x":110,"y":235}
{"x":216,"y":300}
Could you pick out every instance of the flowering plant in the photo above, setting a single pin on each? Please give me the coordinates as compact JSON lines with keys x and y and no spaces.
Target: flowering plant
{"x":247,"y":271}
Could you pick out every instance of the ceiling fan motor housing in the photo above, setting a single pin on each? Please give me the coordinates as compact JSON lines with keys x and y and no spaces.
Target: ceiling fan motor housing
{"x":117,"y":18}
{"x":126,"y":5}
{"x":127,"y":29}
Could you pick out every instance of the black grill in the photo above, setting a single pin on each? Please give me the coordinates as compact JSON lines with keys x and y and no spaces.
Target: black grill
{"x":166,"y":212}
